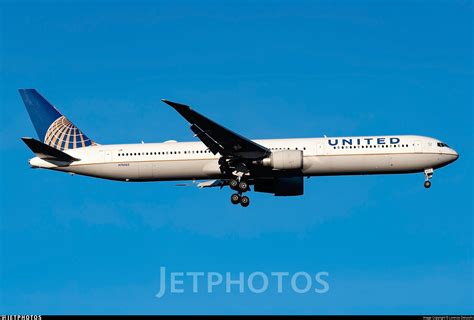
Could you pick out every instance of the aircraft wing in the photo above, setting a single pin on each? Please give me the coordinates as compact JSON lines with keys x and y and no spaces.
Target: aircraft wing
{"x":218,"y":138}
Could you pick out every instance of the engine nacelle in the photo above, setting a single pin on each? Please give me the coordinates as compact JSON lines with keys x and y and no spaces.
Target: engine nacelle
{"x":282,"y":186}
{"x":285,"y":160}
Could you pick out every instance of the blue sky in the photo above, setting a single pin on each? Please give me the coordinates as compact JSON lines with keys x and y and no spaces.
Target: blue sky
{"x":266,"y":69}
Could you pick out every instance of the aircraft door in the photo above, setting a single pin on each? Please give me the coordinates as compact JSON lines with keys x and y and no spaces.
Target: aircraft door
{"x":418,"y":146}
{"x":320,"y":149}
{"x":107,"y":156}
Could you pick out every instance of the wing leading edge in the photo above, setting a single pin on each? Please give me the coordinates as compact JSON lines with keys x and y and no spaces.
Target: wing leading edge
{"x":218,"y":138}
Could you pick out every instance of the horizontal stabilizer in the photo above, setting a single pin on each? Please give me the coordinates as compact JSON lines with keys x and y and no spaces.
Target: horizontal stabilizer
{"x":46,"y":152}
{"x":212,"y":183}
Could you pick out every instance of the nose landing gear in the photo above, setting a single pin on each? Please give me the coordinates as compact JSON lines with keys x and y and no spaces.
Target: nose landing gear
{"x":428,"y":176}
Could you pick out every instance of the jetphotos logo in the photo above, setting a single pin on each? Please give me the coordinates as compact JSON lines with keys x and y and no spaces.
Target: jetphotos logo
{"x":241,"y":282}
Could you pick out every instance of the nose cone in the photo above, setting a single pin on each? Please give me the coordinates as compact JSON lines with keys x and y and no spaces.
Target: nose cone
{"x":455,"y":154}
{"x":451,"y":156}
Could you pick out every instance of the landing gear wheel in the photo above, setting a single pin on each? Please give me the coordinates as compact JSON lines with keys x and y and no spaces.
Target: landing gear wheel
{"x":244,"y":201}
{"x":233,"y":184}
{"x":235,"y":198}
{"x":243,"y":186}
{"x":428,"y":176}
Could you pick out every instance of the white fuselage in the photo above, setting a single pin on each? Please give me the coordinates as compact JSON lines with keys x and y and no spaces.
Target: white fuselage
{"x":192,"y":160}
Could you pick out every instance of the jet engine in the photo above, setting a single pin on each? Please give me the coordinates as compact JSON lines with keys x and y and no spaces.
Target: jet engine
{"x":284,"y":160}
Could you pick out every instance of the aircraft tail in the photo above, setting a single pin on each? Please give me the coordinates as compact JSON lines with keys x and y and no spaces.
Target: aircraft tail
{"x":53,"y":128}
{"x":46,"y":152}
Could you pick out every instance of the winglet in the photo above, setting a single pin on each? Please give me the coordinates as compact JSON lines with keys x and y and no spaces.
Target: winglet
{"x":177,"y":106}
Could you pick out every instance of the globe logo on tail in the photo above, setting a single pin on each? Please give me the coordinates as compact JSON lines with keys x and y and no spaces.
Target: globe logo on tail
{"x":62,"y":134}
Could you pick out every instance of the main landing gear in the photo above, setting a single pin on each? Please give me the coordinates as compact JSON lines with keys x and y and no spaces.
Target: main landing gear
{"x":241,"y":187}
{"x":237,"y":198}
{"x":428,"y":176}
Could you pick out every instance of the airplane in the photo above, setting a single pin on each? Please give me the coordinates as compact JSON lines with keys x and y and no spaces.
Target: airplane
{"x":225,"y":158}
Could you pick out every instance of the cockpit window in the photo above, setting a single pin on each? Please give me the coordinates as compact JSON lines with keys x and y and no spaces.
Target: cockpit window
{"x":442,"y":144}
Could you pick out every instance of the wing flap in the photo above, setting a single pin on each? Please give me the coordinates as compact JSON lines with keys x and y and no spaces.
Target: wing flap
{"x":207,"y":140}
